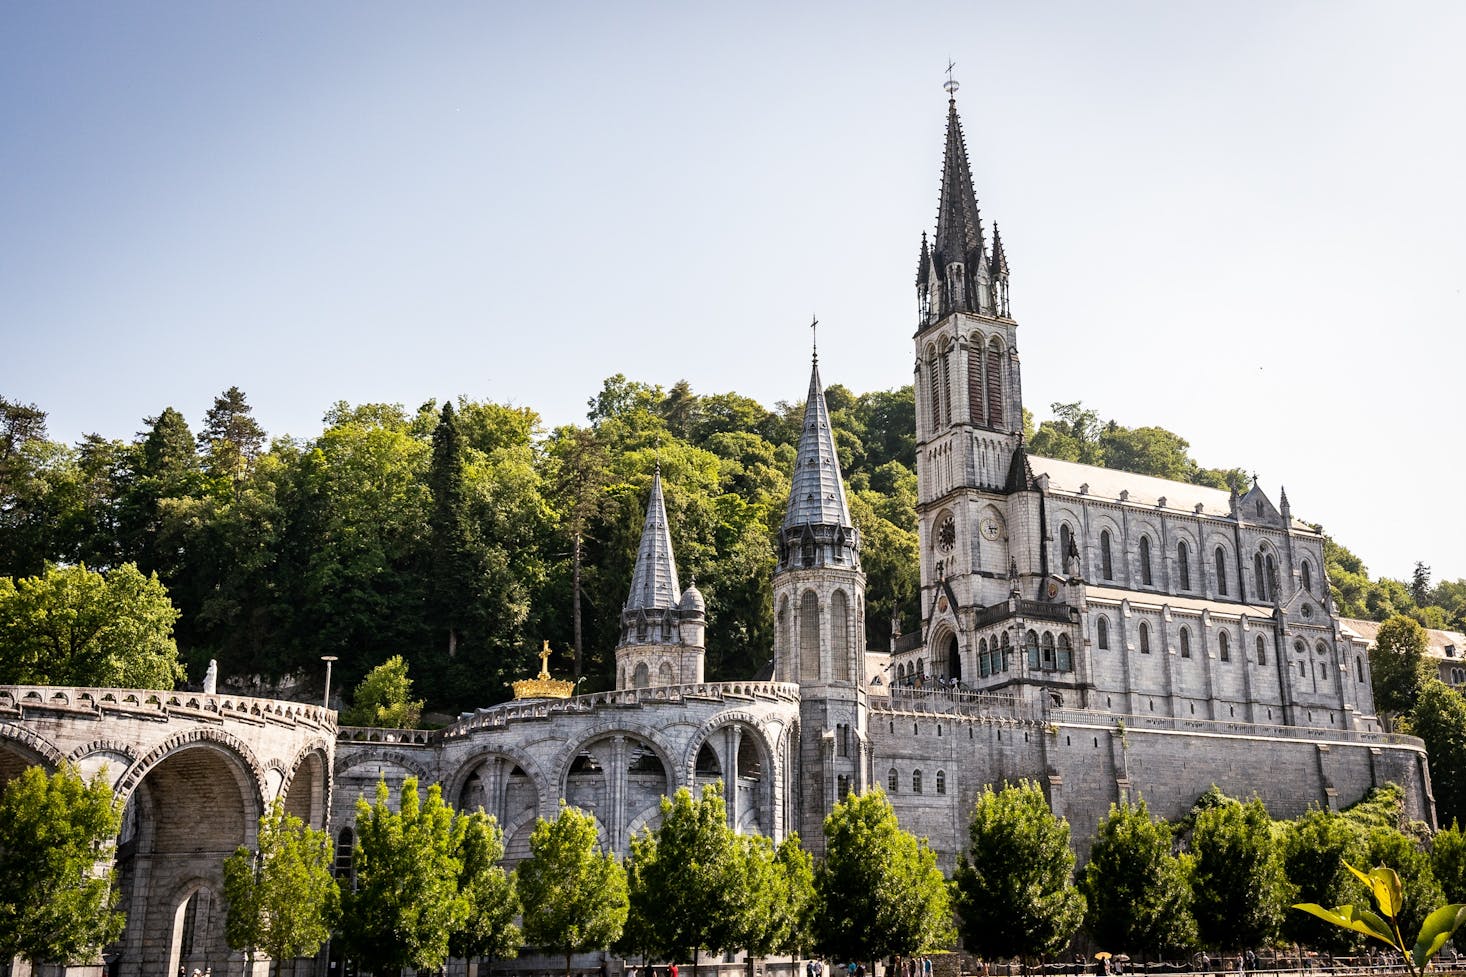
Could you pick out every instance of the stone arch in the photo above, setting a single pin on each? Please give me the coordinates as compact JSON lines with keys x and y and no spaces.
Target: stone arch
{"x":21,"y":748}
{"x":184,"y":739}
{"x":639,"y":767}
{"x":191,"y":946}
{"x":749,"y":782}
{"x":306,"y":788}
{"x":358,"y":757}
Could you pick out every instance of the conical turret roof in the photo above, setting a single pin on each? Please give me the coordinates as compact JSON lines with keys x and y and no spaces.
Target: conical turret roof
{"x":654,"y":582}
{"x":816,"y":492}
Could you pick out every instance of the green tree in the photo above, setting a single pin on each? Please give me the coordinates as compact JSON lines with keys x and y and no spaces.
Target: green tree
{"x":1073,"y":435}
{"x":1448,"y":862}
{"x":75,"y":627}
{"x":488,"y":928}
{"x":1408,"y":858}
{"x":281,"y":897}
{"x":406,"y":903}
{"x":1015,"y":881}
{"x":574,"y":895}
{"x":55,"y":907}
{"x":1439,"y":718}
{"x":381,"y":700}
{"x":579,"y":473}
{"x":1138,"y":893}
{"x":695,"y":854}
{"x":1238,"y":886}
{"x":1316,"y":848}
{"x":791,"y":919}
{"x":231,"y":438}
{"x":456,"y":570}
{"x":878,"y":891}
{"x":1397,"y":664}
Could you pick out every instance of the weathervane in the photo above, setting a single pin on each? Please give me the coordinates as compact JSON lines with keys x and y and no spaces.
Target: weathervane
{"x":814,"y":336}
{"x":951,"y":86}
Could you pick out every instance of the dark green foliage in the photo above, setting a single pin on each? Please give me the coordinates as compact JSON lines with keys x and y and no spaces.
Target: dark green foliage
{"x":1016,"y":895}
{"x":384,"y":699}
{"x":1239,"y":886}
{"x":1439,"y":718}
{"x":878,"y":892}
{"x":1448,"y":862}
{"x":231,"y":438}
{"x":1411,"y":862}
{"x":54,"y":829}
{"x":488,"y":928}
{"x":1138,"y":892}
{"x":1315,"y":849}
{"x":1397,"y":664}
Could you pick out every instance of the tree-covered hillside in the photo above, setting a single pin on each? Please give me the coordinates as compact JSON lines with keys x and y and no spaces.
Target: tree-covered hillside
{"x":454,"y":534}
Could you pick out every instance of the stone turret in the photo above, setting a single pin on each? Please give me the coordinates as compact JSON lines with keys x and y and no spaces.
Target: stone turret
{"x":662,"y":627}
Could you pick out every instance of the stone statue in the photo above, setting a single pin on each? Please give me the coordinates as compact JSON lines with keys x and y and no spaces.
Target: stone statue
{"x":211,"y":678}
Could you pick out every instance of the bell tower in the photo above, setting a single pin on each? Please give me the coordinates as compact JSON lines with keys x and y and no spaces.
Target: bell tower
{"x":971,"y":469}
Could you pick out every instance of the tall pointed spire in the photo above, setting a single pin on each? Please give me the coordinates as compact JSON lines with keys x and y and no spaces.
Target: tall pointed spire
{"x":816,"y":492}
{"x":999,"y":261}
{"x":654,"y":582}
{"x":959,"y":222}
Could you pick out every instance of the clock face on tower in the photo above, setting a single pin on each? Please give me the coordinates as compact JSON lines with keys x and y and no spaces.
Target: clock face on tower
{"x":990,"y":527}
{"x":947,"y":534}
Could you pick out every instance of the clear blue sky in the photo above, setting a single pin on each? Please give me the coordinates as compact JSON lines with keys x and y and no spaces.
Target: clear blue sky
{"x":1243,"y":222}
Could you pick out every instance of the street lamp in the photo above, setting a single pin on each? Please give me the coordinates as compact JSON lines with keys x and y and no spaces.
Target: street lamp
{"x":328,"y":659}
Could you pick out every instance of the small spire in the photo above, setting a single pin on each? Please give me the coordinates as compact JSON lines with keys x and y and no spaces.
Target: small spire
{"x":654,"y":581}
{"x":923,"y":264}
{"x":816,"y":491}
{"x":999,"y":263}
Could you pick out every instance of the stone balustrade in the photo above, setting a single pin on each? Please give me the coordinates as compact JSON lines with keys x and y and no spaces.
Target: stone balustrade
{"x":16,"y":700}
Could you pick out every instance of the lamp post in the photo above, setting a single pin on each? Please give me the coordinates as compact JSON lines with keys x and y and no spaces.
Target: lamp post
{"x":328,"y":659}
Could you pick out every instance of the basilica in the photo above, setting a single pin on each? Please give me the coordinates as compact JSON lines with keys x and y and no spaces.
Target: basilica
{"x":1110,"y":636}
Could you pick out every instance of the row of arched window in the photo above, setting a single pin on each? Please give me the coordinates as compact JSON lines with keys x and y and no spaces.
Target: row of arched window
{"x":1265,"y":570}
{"x":807,"y":647}
{"x":893,"y":781}
{"x":985,"y":388}
{"x":1045,"y":653}
{"x":1143,"y":640}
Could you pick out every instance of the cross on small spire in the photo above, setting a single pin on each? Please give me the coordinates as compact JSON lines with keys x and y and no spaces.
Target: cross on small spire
{"x":951,"y":86}
{"x":814,"y":336}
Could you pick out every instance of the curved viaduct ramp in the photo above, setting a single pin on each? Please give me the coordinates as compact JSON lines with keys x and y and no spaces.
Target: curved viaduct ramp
{"x":195,"y":772}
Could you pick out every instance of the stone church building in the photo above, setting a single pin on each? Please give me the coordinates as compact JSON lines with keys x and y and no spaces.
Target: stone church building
{"x":1108,"y":635}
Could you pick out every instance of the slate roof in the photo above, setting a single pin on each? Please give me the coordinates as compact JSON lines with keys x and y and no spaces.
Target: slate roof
{"x":1436,"y":640}
{"x":654,"y":582}
{"x":816,"y":491}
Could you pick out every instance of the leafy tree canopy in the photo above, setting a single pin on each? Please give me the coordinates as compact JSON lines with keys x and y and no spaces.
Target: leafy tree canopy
{"x":55,"y":907}
{"x":72,"y":626}
{"x":1138,"y":892}
{"x":1239,"y":884}
{"x":574,"y":894}
{"x":382,"y":698}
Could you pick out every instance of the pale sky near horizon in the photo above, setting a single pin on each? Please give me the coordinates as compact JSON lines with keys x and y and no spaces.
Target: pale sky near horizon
{"x":1242,"y":222}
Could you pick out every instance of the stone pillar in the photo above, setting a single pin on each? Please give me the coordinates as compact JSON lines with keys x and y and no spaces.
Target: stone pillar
{"x":615,"y":774}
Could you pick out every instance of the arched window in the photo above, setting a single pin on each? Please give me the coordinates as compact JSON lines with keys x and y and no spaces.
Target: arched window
{"x":840,"y":636}
{"x":1307,"y":577}
{"x":1106,"y":566}
{"x":934,"y":389}
{"x":976,"y":402}
{"x":983,"y":665}
{"x":941,"y":781}
{"x":916,"y":781}
{"x":1030,"y":645}
{"x":1007,"y":652}
{"x":1261,"y":650}
{"x":345,"y":849}
{"x":893,"y":780}
{"x":1221,"y":559}
{"x":664,"y":674}
{"x":947,"y":384}
{"x":1066,"y":543}
{"x":1272,"y":578}
{"x":995,"y":383}
{"x":1359,"y":668}
{"x":1260,"y":581}
{"x":1048,"y":651}
{"x":1102,"y":634}
{"x":1145,"y":577}
{"x":642,"y":677}
{"x":1183,"y":565}
{"x":1144,"y":638}
{"x":1224,"y":646}
{"x":1185,"y":642}
{"x":1066,"y":654}
{"x":809,"y":637}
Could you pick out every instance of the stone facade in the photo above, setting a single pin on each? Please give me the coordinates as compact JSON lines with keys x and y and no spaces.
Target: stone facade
{"x":1108,"y":635}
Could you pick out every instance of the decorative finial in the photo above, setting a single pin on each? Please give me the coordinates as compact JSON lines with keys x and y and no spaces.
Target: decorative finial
{"x":814,"y":337}
{"x":951,"y":85}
